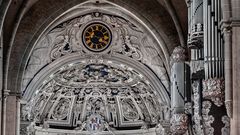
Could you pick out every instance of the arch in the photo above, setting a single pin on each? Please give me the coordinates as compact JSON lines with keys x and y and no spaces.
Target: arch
{"x":76,"y":58}
{"x":133,"y":45}
{"x":26,"y":29}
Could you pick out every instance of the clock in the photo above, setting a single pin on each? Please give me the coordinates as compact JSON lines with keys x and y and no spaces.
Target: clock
{"x":96,"y":37}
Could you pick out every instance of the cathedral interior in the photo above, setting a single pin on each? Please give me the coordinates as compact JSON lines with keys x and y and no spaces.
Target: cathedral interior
{"x":119,"y":67}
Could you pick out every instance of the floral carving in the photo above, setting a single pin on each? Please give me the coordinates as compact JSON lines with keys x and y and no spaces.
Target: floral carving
{"x":207,"y":119}
{"x":213,"y":89}
{"x":179,"y":123}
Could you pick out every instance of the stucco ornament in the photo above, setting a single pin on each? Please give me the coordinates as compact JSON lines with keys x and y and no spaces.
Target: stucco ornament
{"x":213,"y":89}
{"x":179,"y":124}
{"x":119,"y":36}
{"x":93,"y":95}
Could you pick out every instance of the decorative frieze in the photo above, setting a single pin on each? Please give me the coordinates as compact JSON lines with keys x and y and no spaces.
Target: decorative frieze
{"x":179,"y":123}
{"x":213,"y":89}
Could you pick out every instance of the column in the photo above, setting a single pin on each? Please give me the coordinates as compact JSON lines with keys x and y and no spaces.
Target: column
{"x":1,"y":78}
{"x":235,"y":121}
{"x":235,"y":18}
{"x":12,"y":116}
{"x":227,"y":34}
{"x":4,"y":115}
{"x":179,"y":119}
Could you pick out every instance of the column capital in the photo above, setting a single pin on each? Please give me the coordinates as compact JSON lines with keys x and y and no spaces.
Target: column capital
{"x":179,"y":54}
{"x":188,"y":2}
{"x":226,"y":26}
{"x":17,"y":94}
{"x":6,"y":93}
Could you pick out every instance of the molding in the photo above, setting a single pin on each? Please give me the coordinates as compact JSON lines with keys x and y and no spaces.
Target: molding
{"x":6,"y":93}
{"x":75,"y":58}
{"x":235,"y":23}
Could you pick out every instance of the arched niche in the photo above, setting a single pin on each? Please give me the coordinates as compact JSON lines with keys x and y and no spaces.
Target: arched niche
{"x":134,"y":47}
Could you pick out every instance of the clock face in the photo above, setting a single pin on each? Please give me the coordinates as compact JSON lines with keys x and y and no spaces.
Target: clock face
{"x":97,"y":37}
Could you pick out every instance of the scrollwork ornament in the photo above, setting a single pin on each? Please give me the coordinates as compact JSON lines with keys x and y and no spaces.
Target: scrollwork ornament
{"x":213,"y":89}
{"x":179,"y":123}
